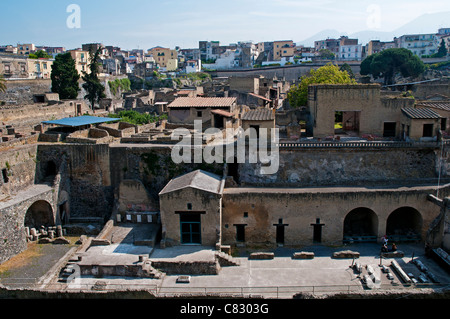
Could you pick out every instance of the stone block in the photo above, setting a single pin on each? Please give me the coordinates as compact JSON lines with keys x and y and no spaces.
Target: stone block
{"x":45,"y":240}
{"x":100,"y":242}
{"x":393,"y":254}
{"x":61,"y":241}
{"x":261,"y":255}
{"x":184,"y":279}
{"x":303,"y":255}
{"x":346,"y":254}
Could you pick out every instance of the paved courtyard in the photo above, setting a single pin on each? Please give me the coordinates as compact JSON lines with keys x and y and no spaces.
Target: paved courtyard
{"x":281,"y":277}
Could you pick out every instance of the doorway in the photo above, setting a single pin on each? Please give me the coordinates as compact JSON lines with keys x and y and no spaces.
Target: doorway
{"x":190,"y":226}
{"x":347,"y":122}
{"x":240,"y":232}
{"x":389,"y":129}
{"x":280,"y":231}
{"x":317,"y":231}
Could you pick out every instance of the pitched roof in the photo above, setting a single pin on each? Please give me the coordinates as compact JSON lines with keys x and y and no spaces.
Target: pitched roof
{"x":258,"y":115}
{"x":203,"y":102}
{"x":441,"y":105}
{"x":198,"y":179}
{"x":420,"y":113}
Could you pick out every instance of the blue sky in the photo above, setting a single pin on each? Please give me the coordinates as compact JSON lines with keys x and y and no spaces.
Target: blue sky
{"x":144,"y":24}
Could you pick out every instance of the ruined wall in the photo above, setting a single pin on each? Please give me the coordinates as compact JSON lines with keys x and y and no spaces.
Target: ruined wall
{"x":299,"y":208}
{"x":18,"y":167}
{"x":33,"y":114}
{"x":12,"y":230}
{"x":325,"y":100}
{"x":88,"y":176}
{"x":325,"y":166}
{"x":152,"y":165}
{"x":133,"y":193}
{"x":290,"y":73}
{"x":423,"y":91}
{"x":22,"y":91}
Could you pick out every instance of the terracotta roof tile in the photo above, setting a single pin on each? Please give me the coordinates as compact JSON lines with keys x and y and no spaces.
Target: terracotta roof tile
{"x":203,"y":102}
{"x":198,"y":179}
{"x":420,"y":113}
{"x":441,"y":105}
{"x":258,"y":115}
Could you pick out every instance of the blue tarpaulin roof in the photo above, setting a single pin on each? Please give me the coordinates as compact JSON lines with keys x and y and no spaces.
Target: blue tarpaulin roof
{"x":81,"y":120}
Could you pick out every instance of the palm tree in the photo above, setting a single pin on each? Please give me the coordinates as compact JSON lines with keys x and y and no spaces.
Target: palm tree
{"x":2,"y":84}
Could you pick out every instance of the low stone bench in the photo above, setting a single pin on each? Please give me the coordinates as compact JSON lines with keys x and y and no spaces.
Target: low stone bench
{"x":346,"y":254}
{"x":393,"y":254}
{"x":303,"y":255}
{"x":261,"y":255}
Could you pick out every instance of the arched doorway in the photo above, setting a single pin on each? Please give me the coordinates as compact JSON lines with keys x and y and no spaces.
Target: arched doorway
{"x":361,"y":225}
{"x":404,"y":224}
{"x":39,"y":214}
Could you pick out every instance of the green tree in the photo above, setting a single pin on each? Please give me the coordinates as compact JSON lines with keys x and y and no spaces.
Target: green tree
{"x":94,"y":88}
{"x":327,"y":74}
{"x":346,"y":67}
{"x":326,"y":54}
{"x":65,"y":77}
{"x":2,"y":84}
{"x":442,"y":51}
{"x":391,"y":62}
{"x":41,"y":54}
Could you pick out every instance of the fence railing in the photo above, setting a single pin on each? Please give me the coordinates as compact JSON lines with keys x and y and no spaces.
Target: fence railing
{"x":377,"y":144}
{"x":276,"y":292}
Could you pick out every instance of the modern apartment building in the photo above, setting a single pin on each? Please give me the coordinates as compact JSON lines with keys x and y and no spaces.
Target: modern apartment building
{"x":283,"y":49}
{"x":419,"y":44}
{"x":166,"y":58}
{"x":81,"y":60}
{"x":349,"y":49}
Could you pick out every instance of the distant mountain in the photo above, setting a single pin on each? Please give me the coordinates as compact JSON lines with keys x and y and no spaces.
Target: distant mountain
{"x":426,"y":23}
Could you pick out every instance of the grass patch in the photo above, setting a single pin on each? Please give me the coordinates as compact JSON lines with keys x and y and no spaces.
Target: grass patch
{"x":23,"y":259}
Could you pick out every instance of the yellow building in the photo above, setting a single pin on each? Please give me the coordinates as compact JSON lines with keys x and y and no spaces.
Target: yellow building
{"x":283,"y":49}
{"x":81,"y":60}
{"x":39,"y":68}
{"x":165,"y":58}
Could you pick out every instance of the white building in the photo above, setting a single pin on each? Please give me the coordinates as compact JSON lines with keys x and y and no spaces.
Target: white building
{"x":419,"y":44}
{"x":349,"y":49}
{"x":227,"y":60}
{"x":350,"y":52}
{"x":193,"y":66}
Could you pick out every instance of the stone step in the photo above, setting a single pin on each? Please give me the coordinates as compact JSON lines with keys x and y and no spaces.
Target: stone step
{"x":226,"y":260}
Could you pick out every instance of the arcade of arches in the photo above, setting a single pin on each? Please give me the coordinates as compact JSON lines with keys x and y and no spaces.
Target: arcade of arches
{"x":404,"y":223}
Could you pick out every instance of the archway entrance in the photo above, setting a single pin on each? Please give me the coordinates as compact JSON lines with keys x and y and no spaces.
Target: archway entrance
{"x":39,"y":214}
{"x":404,"y":224}
{"x":361,"y":225}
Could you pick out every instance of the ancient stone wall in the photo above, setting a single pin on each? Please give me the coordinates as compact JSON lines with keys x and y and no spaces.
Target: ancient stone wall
{"x":290,"y":73}
{"x":327,"y":166}
{"x":12,"y":216}
{"x":262,"y":209}
{"x":88,"y":176}
{"x":29,"y":115}
{"x":18,"y":167}
{"x":325,"y":100}
{"x":22,"y":91}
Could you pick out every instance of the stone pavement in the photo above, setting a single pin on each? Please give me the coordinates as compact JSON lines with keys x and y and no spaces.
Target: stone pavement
{"x":280,"y":277}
